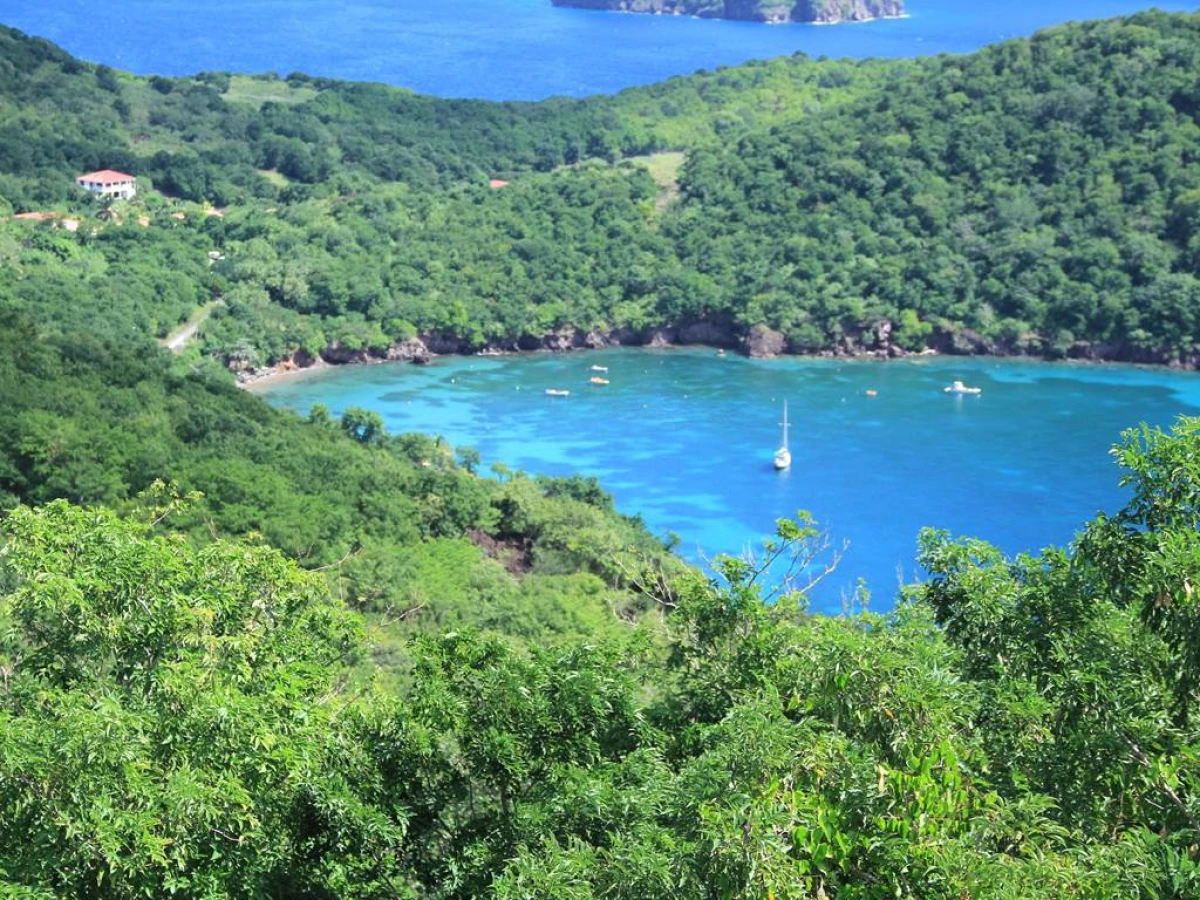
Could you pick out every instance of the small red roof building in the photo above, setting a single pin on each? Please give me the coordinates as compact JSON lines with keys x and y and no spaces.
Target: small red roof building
{"x":497,"y":183}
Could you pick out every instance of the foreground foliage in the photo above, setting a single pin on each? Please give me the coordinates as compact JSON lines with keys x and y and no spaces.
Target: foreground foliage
{"x":182,"y":721}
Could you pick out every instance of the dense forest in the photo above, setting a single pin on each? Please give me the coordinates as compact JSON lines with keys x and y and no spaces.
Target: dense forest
{"x":1038,"y":197}
{"x":187,"y":720}
{"x":249,"y":654}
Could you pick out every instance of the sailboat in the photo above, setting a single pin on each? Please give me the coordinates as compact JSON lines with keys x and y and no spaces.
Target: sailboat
{"x":783,"y":456}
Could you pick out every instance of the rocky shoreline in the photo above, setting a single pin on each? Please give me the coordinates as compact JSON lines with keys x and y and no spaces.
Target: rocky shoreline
{"x":760,"y":342}
{"x":817,"y":12}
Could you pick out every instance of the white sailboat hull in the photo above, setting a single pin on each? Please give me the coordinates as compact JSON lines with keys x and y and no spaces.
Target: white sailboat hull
{"x":783,"y":456}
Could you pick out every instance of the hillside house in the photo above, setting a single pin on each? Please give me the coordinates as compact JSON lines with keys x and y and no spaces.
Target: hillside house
{"x":108,"y":183}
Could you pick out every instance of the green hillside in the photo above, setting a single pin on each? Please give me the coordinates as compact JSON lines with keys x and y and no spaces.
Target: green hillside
{"x":1035,"y":197}
{"x":248,"y":654}
{"x":185,"y":722}
{"x":402,"y":526}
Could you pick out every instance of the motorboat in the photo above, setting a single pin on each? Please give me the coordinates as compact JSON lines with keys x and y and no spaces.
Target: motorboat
{"x":598,"y":380}
{"x":959,"y":388}
{"x":556,"y":392}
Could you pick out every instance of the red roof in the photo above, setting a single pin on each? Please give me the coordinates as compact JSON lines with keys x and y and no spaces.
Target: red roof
{"x":497,"y":183}
{"x":106,"y":176}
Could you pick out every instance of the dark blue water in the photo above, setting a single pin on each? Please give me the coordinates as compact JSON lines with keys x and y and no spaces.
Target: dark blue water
{"x":499,"y":49}
{"x":685,"y":438}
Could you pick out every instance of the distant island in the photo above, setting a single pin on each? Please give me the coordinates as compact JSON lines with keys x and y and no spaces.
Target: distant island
{"x":822,"y":11}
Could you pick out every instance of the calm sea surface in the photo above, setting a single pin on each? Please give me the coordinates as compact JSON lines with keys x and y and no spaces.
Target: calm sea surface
{"x":685,"y":438}
{"x":499,"y":49}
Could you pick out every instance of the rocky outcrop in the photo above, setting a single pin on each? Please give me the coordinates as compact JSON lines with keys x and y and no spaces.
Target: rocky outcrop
{"x":412,"y":350}
{"x":831,"y":11}
{"x":822,"y":11}
{"x":660,"y":337}
{"x":763,"y":342}
{"x":714,"y":333}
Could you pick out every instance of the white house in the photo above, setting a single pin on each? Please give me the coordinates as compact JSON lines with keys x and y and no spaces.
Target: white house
{"x":108,"y":183}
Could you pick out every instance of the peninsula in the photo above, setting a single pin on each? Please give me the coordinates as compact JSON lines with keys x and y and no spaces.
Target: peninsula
{"x":818,"y":11}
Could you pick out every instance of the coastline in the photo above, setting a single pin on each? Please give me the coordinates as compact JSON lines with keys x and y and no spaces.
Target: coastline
{"x":680,"y":10}
{"x":759,"y":344}
{"x":883,"y":18}
{"x":263,"y":378}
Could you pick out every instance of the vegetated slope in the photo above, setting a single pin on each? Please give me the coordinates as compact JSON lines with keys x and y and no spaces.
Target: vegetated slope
{"x":394,"y":520}
{"x":211,"y":137}
{"x":123,"y":283}
{"x":1037,"y":196}
{"x":376,"y":178}
{"x":1040,"y":195}
{"x":178,"y":721}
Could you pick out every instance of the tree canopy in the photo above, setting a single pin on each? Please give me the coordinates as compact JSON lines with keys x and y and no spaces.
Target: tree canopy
{"x":182,"y":720}
{"x":1039,"y":196}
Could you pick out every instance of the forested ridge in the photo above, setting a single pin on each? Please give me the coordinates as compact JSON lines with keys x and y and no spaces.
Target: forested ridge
{"x":249,"y":654}
{"x":1038,"y":196}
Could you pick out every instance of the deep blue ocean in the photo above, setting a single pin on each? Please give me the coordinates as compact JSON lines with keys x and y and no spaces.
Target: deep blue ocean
{"x":685,"y":438}
{"x":499,"y":49}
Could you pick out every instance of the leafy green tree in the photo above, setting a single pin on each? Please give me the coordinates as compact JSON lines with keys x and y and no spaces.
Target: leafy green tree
{"x":364,"y":425}
{"x":173,"y":721}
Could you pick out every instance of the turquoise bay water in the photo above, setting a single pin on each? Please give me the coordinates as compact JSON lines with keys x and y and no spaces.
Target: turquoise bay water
{"x":685,"y":438}
{"x":500,"y":49}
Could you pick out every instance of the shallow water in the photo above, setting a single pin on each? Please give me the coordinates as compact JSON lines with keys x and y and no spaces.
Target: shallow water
{"x":685,"y":438}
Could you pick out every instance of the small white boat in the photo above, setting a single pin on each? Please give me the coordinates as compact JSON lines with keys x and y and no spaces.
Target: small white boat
{"x":554,"y":392}
{"x":599,"y":368}
{"x":959,"y":388}
{"x":596,"y":379}
{"x":783,"y":456}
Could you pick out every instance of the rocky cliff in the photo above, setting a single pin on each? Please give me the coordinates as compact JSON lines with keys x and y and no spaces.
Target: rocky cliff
{"x":824,"y":11}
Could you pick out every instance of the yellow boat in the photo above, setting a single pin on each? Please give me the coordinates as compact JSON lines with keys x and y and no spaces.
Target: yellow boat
{"x":598,"y":380}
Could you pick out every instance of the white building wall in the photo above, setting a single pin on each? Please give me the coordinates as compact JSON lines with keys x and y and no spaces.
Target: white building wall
{"x":123,"y":190}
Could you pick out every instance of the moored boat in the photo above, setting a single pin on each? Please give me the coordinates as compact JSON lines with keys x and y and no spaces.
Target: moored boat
{"x":783,"y":456}
{"x":555,"y":392}
{"x":959,"y":388}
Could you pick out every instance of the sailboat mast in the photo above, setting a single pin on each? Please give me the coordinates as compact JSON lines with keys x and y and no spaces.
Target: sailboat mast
{"x":785,"y":425}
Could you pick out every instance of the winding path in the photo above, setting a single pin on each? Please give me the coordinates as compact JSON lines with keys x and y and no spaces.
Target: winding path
{"x":179,"y":338}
